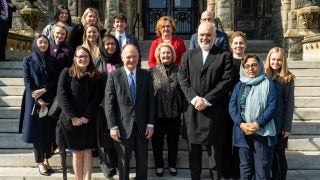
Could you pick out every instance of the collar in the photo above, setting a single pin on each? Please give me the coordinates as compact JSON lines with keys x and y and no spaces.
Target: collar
{"x":128,"y":71}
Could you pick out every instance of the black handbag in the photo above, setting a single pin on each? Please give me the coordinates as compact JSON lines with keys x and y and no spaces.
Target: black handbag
{"x":54,"y":110}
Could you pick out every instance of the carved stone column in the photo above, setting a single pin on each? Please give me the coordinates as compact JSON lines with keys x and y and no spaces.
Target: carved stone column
{"x":225,"y":12}
{"x":286,"y":7}
{"x":139,"y":31}
{"x":111,"y":8}
{"x":211,"y":4}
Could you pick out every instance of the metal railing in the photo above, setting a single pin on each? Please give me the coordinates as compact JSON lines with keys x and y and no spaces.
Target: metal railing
{"x":136,"y":23}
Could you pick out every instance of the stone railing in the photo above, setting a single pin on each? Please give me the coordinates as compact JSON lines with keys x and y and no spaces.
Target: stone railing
{"x":18,"y":46}
{"x":311,"y":48}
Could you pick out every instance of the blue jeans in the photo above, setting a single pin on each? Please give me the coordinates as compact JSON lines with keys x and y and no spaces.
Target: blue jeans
{"x":256,"y":161}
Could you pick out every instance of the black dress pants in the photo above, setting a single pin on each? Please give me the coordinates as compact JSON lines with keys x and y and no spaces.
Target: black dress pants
{"x":42,"y":151}
{"x":279,"y":163}
{"x":215,"y":161}
{"x":171,"y":128}
{"x":4,"y":30}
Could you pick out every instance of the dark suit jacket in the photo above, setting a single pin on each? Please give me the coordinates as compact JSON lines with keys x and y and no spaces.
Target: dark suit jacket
{"x":211,"y":81}
{"x":121,"y":111}
{"x":222,"y":41}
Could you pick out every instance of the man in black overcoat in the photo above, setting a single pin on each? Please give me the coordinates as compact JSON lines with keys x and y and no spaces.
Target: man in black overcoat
{"x":205,"y":78}
{"x":130,"y":112}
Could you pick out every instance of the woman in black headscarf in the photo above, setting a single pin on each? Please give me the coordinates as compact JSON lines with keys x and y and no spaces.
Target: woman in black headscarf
{"x":40,"y":81}
{"x":109,"y":60}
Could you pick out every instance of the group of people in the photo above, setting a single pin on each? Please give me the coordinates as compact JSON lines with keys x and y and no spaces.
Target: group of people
{"x":237,"y":107}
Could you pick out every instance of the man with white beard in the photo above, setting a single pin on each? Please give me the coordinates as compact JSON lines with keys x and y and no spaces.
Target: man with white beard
{"x":205,"y":76}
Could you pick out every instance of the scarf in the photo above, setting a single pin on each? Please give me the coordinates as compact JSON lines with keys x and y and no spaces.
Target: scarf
{"x":105,"y":57}
{"x":256,"y":101}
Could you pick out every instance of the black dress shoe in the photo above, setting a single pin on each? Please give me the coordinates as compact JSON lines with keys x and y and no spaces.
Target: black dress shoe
{"x":43,"y":173}
{"x":173,"y":173}
{"x":112,"y":173}
{"x":159,"y":172}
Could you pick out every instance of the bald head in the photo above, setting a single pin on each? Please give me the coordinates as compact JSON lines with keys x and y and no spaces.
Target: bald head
{"x":207,"y":16}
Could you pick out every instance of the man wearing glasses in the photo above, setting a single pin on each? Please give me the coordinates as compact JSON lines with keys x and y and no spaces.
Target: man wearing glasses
{"x":221,"y":37}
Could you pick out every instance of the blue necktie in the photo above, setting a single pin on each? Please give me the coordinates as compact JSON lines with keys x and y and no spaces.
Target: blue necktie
{"x":132,"y":87}
{"x":120,"y":42}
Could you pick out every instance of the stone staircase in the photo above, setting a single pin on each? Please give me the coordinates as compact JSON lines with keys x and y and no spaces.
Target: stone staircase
{"x":17,"y":161}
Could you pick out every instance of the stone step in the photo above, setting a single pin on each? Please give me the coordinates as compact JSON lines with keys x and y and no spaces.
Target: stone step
{"x":29,"y":173}
{"x":306,"y":128}
{"x":307,"y":91}
{"x":300,"y":134}
{"x":306,"y":114}
{"x":9,"y":126}
{"x":11,"y":90}
{"x":10,"y":112}
{"x":307,"y":102}
{"x":307,"y":81}
{"x":302,"y":160}
{"x":11,"y":82}
{"x":304,"y":143}
{"x":303,"y":64}
{"x":11,"y":64}
{"x":306,"y":72}
{"x":15,"y":73}
{"x":14,"y":101}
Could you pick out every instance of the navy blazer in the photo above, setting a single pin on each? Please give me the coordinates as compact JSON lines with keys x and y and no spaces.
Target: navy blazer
{"x":119,"y":108}
{"x":235,"y":110}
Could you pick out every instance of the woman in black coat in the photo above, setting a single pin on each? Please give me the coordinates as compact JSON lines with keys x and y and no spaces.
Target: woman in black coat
{"x":109,"y":60}
{"x":79,"y":95}
{"x":40,"y":80}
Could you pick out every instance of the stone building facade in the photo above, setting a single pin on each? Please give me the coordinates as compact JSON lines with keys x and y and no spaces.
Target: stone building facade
{"x":281,"y":21}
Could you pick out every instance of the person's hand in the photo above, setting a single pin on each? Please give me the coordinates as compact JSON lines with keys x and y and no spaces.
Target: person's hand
{"x":200,"y":104}
{"x":254,"y":127}
{"x":115,"y":134}
{"x":42,"y":104}
{"x":149,"y":132}
{"x":38,"y":93}
{"x":84,"y":120}
{"x":245,"y":127}
{"x":285,"y":134}
{"x":76,"y":121}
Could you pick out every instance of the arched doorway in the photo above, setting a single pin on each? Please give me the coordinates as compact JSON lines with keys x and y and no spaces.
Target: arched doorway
{"x":254,"y":17}
{"x":185,"y":12}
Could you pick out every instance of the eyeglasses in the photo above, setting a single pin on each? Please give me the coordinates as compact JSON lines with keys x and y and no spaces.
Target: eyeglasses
{"x":248,"y":66}
{"x":207,"y":19}
{"x":83,"y":56}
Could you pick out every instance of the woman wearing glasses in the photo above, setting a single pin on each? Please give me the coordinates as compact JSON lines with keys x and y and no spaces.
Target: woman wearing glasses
{"x":252,"y":107}
{"x":79,"y":95}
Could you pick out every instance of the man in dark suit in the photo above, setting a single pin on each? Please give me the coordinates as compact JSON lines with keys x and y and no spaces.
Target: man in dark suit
{"x":120,"y":24}
{"x":221,"y":40}
{"x":5,"y":23}
{"x":205,"y":78}
{"x":130,"y":112}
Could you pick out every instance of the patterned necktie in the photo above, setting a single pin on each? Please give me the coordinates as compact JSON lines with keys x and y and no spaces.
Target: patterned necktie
{"x":120,"y":42}
{"x":132,"y":87}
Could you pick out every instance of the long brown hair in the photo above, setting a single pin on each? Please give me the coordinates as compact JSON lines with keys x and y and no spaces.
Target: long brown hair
{"x":91,"y":71}
{"x":285,"y":76}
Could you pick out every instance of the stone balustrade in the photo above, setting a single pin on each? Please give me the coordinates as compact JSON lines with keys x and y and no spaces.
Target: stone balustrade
{"x":311,"y":48}
{"x":18,"y":46}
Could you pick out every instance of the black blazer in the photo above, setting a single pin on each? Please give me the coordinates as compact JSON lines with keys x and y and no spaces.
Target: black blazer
{"x":119,"y":108}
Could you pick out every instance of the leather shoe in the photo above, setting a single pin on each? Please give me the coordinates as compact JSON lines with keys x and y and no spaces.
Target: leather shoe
{"x":112,"y":173}
{"x":173,"y":171}
{"x":159,"y":172}
{"x":43,"y":173}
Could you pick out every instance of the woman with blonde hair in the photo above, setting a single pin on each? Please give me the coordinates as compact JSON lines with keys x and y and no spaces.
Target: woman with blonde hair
{"x":92,"y":40}
{"x":169,"y":98}
{"x":165,"y":29}
{"x":276,"y":67}
{"x":90,"y":16}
